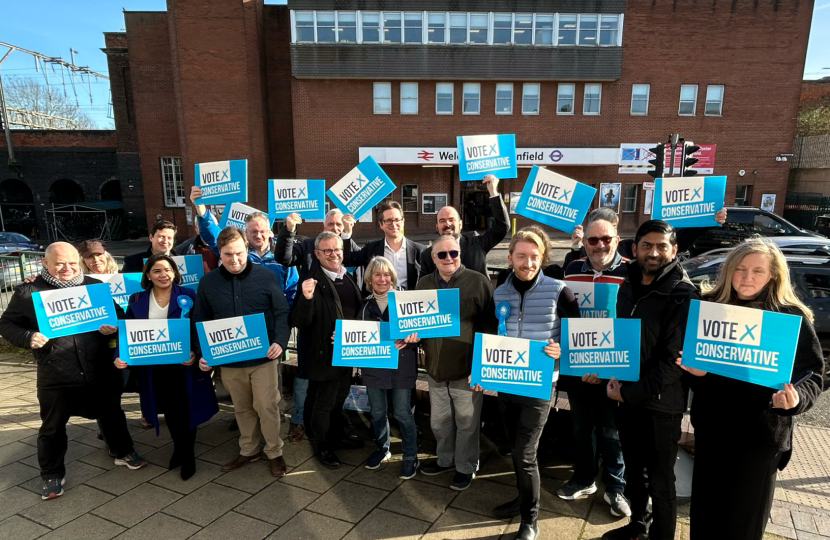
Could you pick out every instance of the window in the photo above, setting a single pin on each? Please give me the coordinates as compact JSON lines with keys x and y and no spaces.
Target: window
{"x":504,"y":98}
{"x":304,"y":24}
{"x":383,"y":97}
{"x":523,"y":29}
{"x":530,"y":98}
{"x":432,"y":202}
{"x":458,"y":28}
{"x":325,"y":27}
{"x":443,"y":98}
{"x":608,"y":29}
{"x":370,"y":26}
{"x":629,"y":203}
{"x":688,"y":100}
{"x":346,"y":27}
{"x":171,"y":180}
{"x":714,"y":100}
{"x":587,"y":29}
{"x":639,"y":98}
{"x":742,"y":195}
{"x":471,"y":97}
{"x":436,"y":27}
{"x":544,"y":29}
{"x":409,"y":197}
{"x":769,"y":226}
{"x":590,"y":103}
{"x":479,"y":23}
{"x":409,"y":98}
{"x":567,"y":30}
{"x":502,"y":28}
{"x":413,"y":29}
{"x":565,"y":99}
{"x":391,"y":27}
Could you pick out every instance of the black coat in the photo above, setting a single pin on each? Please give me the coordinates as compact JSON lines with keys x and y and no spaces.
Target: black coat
{"x":77,"y":360}
{"x":375,"y":248}
{"x":135,"y":262}
{"x":387,"y":379}
{"x":289,"y":252}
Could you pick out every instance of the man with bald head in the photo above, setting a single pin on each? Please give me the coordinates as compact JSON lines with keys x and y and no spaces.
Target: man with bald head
{"x":75,"y":374}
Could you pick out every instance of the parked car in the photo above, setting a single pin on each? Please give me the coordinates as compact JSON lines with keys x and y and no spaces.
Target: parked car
{"x":11,"y":241}
{"x":742,"y":222}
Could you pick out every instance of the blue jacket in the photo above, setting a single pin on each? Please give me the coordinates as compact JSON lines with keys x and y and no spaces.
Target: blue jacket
{"x":200,"y":394}
{"x":539,"y":318}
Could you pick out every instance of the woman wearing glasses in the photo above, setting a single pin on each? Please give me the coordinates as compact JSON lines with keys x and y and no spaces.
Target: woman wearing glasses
{"x":183,"y":393}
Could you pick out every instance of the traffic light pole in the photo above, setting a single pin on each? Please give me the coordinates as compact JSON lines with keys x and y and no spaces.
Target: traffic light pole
{"x":673,"y":138}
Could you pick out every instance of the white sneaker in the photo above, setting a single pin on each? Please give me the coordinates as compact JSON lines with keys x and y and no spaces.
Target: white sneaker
{"x":618,"y":503}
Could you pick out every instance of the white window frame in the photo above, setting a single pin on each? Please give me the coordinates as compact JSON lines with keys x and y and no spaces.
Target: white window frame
{"x":409,"y":99}
{"x":446,"y":28}
{"x":585,"y":99}
{"x":599,"y":31}
{"x":719,"y":102}
{"x":379,"y":28}
{"x":579,"y":30}
{"x":648,"y":96}
{"x":172,"y":182}
{"x":636,"y":189}
{"x":553,"y":30}
{"x":466,"y":28}
{"x":452,"y":98}
{"x":410,"y":198}
{"x":538,"y":98}
{"x":573,"y":98}
{"x":383,"y":27}
{"x":492,"y":30}
{"x":496,"y":106}
{"x":375,"y":97}
{"x":425,"y":195}
{"x":556,"y":30}
{"x":488,"y":39}
{"x":478,"y":99}
{"x":294,"y":26}
{"x":681,"y":101}
{"x":403,"y":28}
{"x":337,"y":26}
{"x":317,"y":26}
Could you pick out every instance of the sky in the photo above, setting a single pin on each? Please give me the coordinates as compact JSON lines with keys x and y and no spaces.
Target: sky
{"x":52,"y":27}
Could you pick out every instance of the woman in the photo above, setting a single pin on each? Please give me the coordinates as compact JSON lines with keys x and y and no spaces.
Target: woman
{"x":95,"y":259}
{"x":183,"y":393}
{"x":379,"y":277}
{"x":743,"y":431}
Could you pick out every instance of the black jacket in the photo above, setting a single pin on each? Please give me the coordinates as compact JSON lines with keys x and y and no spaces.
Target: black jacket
{"x":662,"y":307}
{"x":407,"y":373}
{"x":77,"y":360}
{"x":222,"y":294}
{"x":475,"y":247}
{"x":289,"y":252}
{"x":375,"y":248}
{"x":135,"y":262}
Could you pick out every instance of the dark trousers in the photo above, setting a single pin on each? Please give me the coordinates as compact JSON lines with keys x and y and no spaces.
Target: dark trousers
{"x":649,"y":441}
{"x":525,"y":418}
{"x":170,"y":394}
{"x":57,"y":405}
{"x":323,"y":412}
{"x":592,"y":417}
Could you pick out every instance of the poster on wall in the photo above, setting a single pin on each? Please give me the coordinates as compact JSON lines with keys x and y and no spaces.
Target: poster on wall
{"x":649,"y":197}
{"x":609,"y":196}
{"x":768,"y":202}
{"x":514,"y":200}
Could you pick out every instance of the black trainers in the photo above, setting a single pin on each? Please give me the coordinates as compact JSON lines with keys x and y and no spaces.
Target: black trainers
{"x":378,"y":456}
{"x":132,"y":461}
{"x":629,"y":532}
{"x":52,"y":488}
{"x":571,"y":490}
{"x":462,"y":481}
{"x":433,"y":469}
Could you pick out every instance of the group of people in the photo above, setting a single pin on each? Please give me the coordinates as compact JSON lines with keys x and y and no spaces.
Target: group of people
{"x":633,"y":426}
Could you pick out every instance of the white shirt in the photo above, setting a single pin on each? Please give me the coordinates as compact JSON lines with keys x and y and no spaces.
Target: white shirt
{"x":156,"y":311}
{"x":334,"y":275}
{"x":398,"y":260}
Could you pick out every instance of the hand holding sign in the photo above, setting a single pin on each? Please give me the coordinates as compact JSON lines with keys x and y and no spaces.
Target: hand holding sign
{"x":613,"y":390}
{"x":308,"y":288}
{"x":192,"y":359}
{"x":292,"y":220}
{"x":203,"y":365}
{"x":107,"y":329}
{"x":591,"y":378}
{"x":577,"y":235}
{"x":693,"y":371}
{"x":552,"y":349}
{"x":348,"y":223}
{"x":120,"y":364}
{"x":492,"y":184}
{"x":274,"y":351}
{"x":38,"y":340}
{"x":785,"y":399}
{"x":720,"y":216}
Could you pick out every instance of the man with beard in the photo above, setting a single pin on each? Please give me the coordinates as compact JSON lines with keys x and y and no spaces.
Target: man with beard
{"x":658,"y":292}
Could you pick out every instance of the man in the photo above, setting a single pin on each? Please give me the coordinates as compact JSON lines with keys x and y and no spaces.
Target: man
{"x":658,"y":292}
{"x":162,"y":238}
{"x":404,"y":254}
{"x":327,"y":295}
{"x":75,"y":374}
{"x":474,"y":248}
{"x":455,"y":408}
{"x":592,"y":413}
{"x":238,"y":288}
{"x":196,"y":245}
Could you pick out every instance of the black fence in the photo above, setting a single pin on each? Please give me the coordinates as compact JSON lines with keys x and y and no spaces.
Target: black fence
{"x":802,"y":208}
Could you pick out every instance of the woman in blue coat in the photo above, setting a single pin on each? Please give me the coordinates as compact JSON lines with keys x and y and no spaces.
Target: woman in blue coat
{"x":182,"y":392}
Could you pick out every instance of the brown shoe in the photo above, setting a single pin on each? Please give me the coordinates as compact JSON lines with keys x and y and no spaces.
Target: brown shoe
{"x":296,"y":433}
{"x":278,"y":466}
{"x":240,"y":461}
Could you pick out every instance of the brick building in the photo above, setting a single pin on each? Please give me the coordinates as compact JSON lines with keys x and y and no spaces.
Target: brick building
{"x":306,"y":90}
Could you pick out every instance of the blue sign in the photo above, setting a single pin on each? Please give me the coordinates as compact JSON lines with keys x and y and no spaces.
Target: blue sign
{"x":361,"y":189}
{"x":479,"y":155}
{"x":191,"y":269}
{"x":688,"y":202}
{"x":432,"y":313}
{"x":234,"y":339}
{"x":596,"y":300}
{"x":554,"y":199}
{"x":222,"y":182}
{"x":607,"y":347}
{"x":121,"y":286}
{"x":143,"y":342}
{"x":364,"y":344}
{"x":741,"y":343}
{"x":512,"y":365}
{"x":305,"y":197}
{"x":235,"y":215}
{"x":74,"y":310}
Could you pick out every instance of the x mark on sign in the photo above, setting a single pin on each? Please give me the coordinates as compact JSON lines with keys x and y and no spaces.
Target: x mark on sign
{"x":225,"y":175}
{"x":373,"y":336}
{"x":240,"y":331}
{"x":585,"y":299}
{"x":181,"y":267}
{"x":431,"y":305}
{"x":565,"y":193}
{"x":117,"y":287}
{"x":605,"y":338}
{"x":302,"y":192}
{"x":162,"y":333}
{"x":493,"y":149}
{"x":521,"y":357}
{"x":361,"y":180}
{"x":697,"y":193}
{"x":82,"y":300}
{"x":749,"y":331}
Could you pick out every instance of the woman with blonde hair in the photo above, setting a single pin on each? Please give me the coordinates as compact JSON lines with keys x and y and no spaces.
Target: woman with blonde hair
{"x":95,"y":259}
{"x":743,"y":431}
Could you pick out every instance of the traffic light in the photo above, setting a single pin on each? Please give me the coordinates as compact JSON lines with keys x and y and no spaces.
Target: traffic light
{"x":659,"y":160}
{"x":689,"y":148}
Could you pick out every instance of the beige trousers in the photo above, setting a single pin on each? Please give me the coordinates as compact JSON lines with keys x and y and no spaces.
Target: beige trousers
{"x":256,"y":396}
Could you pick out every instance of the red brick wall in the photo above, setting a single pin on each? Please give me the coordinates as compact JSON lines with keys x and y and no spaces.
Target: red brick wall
{"x":811,"y":90}
{"x":88,"y":138}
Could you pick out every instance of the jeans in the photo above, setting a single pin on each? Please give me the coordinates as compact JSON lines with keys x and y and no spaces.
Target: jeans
{"x":300,"y":391}
{"x":455,"y":419}
{"x":403,"y":414}
{"x":592,"y":416}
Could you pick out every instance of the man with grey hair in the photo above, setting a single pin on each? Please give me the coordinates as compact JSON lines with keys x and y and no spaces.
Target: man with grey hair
{"x":292,"y":252}
{"x":75,"y":374}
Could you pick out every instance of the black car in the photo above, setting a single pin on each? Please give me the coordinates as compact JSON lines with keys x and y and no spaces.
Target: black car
{"x":741,"y":223}
{"x":12,"y":241}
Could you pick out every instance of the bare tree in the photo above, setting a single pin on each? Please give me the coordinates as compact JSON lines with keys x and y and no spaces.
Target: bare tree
{"x":35,"y":105}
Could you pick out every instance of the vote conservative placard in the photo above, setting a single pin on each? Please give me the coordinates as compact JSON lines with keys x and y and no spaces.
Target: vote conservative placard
{"x":222,"y":182}
{"x":121,"y":286}
{"x":554,"y":200}
{"x":191,"y":269}
{"x":429,"y":313}
{"x":742,"y":343}
{"x":595,"y":299}
{"x":364,"y":344}
{"x":143,"y":342}
{"x":479,"y":155}
{"x":688,"y":202}
{"x":607,"y":347}
{"x":305,"y":197}
{"x":512,"y":365}
{"x":361,"y":189}
{"x":235,"y":215}
{"x":74,"y":310}
{"x":233,"y":339}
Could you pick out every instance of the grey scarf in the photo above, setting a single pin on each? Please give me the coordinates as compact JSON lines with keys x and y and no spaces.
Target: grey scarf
{"x":55,"y":282}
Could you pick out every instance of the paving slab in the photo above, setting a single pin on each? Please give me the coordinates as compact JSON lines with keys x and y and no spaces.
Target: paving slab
{"x":599,"y":522}
{"x":77,"y":472}
{"x":224,"y":453}
{"x":150,"y":529}
{"x":458,"y":524}
{"x":233,"y":525}
{"x":482,"y":496}
{"x":161,"y":456}
{"x":552,"y":526}
{"x":310,"y":526}
{"x":419,"y":500}
{"x":348,"y":502}
{"x":121,"y":479}
{"x":14,"y":500}
{"x":206,"y":504}
{"x":15,"y":432}
{"x":86,"y":527}
{"x":381,"y":524}
{"x":277,"y":503}
{"x":550,"y":502}
{"x":136,"y":505}
{"x":312,"y":476}
{"x":385,"y":477}
{"x":16,"y":473}
{"x":18,"y":528}
{"x":216,"y":433}
{"x":252,"y":478}
{"x":71,"y":505}
{"x":15,"y":451}
{"x":297,"y":453}
{"x":172,"y":480}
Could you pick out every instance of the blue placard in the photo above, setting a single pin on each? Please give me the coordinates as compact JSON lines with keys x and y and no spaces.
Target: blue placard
{"x":742,"y":343}
{"x":235,"y":215}
{"x":688,"y":202}
{"x":512,"y":365}
{"x":305,"y":197}
{"x":191,"y":269}
{"x":143,"y":342}
{"x":364,"y":344}
{"x":233,"y":339}
{"x":479,"y":155}
{"x":432,"y":313}
{"x":74,"y":310}
{"x":361,"y":189}
{"x":596,"y":300}
{"x":121,"y":286}
{"x":554,"y":199}
{"x":222,"y":182}
{"x":607,"y":347}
